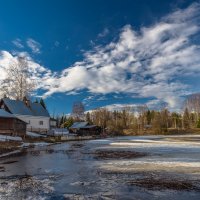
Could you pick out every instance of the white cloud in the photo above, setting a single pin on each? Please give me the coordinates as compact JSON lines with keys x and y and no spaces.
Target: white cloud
{"x":56,"y":44}
{"x":33,"y":45}
{"x":147,"y":63}
{"x":132,"y":108}
{"x":104,"y":33}
{"x":18,"y":43}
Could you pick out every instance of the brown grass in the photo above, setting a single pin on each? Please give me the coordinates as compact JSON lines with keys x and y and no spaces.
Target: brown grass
{"x":117,"y":154}
{"x":6,"y":147}
{"x":163,"y":184}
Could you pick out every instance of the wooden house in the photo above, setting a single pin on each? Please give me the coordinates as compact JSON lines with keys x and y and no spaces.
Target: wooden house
{"x":84,"y":128}
{"x":36,"y":117}
{"x":11,"y":125}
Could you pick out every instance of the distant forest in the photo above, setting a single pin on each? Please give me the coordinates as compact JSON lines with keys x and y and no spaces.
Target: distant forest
{"x":142,"y":120}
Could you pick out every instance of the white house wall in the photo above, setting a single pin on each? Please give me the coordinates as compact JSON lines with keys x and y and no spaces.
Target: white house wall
{"x":33,"y":122}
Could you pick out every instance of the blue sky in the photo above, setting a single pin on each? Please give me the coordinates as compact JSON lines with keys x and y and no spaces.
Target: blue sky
{"x":105,"y":52}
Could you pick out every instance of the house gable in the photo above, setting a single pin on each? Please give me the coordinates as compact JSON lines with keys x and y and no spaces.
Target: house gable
{"x":36,"y":117}
{"x":18,"y":107}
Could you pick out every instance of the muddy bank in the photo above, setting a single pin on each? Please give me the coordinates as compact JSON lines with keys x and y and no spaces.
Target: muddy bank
{"x":155,"y":181}
{"x":105,"y":155}
{"x":7,"y":147}
{"x":164,"y":184}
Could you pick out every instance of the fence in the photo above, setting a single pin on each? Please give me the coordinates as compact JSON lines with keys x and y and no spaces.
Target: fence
{"x":58,"y":132}
{"x":38,"y":130}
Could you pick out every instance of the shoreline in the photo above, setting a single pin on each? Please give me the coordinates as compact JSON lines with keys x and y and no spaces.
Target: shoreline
{"x":18,"y":149}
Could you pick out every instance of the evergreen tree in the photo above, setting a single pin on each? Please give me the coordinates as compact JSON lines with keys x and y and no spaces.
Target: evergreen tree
{"x":43,"y":103}
{"x":148,"y":116}
{"x":68,"y":123}
{"x":198,"y":123}
{"x":62,"y":120}
{"x":186,"y":119}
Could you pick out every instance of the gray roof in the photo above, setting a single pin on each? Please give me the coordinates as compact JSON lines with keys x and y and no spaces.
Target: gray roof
{"x":79,"y":125}
{"x":89,"y":126}
{"x":20,"y":108}
{"x":5,"y":114}
{"x":38,"y":110}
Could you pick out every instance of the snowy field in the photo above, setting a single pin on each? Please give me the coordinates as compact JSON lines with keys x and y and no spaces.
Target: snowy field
{"x":172,"y":153}
{"x":148,"y":167}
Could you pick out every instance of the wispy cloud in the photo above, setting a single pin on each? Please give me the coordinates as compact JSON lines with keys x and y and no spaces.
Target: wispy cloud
{"x":33,"y":45}
{"x":151,"y":62}
{"x":18,"y":43}
{"x":104,"y":33}
{"x":56,"y":44}
{"x":147,"y":63}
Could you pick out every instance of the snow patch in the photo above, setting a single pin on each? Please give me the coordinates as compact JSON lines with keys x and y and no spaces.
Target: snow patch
{"x":34,"y":135}
{"x":10,"y":138}
{"x":25,"y":145}
{"x":10,"y":153}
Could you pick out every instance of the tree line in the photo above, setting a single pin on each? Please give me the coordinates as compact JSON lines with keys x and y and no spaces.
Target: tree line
{"x":139,"y":120}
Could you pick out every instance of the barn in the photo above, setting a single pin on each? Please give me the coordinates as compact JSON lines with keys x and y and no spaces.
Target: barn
{"x":11,"y":125}
{"x":84,"y":128}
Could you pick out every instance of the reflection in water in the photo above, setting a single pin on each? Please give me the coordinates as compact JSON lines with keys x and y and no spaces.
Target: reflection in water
{"x":118,"y":168}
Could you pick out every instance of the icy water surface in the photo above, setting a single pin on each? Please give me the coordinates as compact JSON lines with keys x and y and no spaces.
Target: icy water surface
{"x":149,"y":167}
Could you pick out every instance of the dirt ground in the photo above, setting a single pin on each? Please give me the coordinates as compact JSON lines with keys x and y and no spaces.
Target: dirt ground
{"x":6,"y":147}
{"x":104,"y":155}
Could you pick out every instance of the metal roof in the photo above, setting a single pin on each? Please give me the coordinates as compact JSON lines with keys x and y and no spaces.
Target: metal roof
{"x":79,"y":125}
{"x":20,"y":108}
{"x":38,"y":110}
{"x":5,"y":114}
{"x":89,"y":126}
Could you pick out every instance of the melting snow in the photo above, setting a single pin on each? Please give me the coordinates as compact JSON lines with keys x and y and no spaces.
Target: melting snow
{"x":35,"y":135}
{"x":9,"y":138}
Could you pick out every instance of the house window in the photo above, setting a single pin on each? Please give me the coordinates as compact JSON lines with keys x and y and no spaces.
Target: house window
{"x":40,"y":122}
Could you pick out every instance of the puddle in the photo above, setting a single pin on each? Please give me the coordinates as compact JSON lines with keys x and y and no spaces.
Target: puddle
{"x":142,"y":168}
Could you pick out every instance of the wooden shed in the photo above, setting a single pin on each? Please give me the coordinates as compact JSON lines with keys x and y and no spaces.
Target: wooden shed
{"x":84,"y":128}
{"x":10,"y":125}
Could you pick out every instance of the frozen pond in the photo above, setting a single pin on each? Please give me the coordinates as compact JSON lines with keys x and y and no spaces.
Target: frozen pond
{"x":148,"y":167}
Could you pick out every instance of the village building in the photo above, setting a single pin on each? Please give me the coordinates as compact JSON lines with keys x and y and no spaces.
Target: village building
{"x":11,"y":125}
{"x":84,"y":128}
{"x":53,"y":123}
{"x":36,"y":117}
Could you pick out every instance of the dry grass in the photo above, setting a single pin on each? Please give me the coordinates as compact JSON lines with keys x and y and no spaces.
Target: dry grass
{"x":163,"y":184}
{"x":6,"y":147}
{"x":117,"y":154}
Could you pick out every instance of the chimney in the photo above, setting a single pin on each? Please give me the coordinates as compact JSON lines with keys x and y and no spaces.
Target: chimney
{"x":26,"y":101}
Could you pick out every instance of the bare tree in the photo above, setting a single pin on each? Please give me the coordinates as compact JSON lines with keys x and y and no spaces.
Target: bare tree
{"x":18,"y":83}
{"x":101,"y":117}
{"x":192,"y":103}
{"x":78,"y":110}
{"x":141,"y":109}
